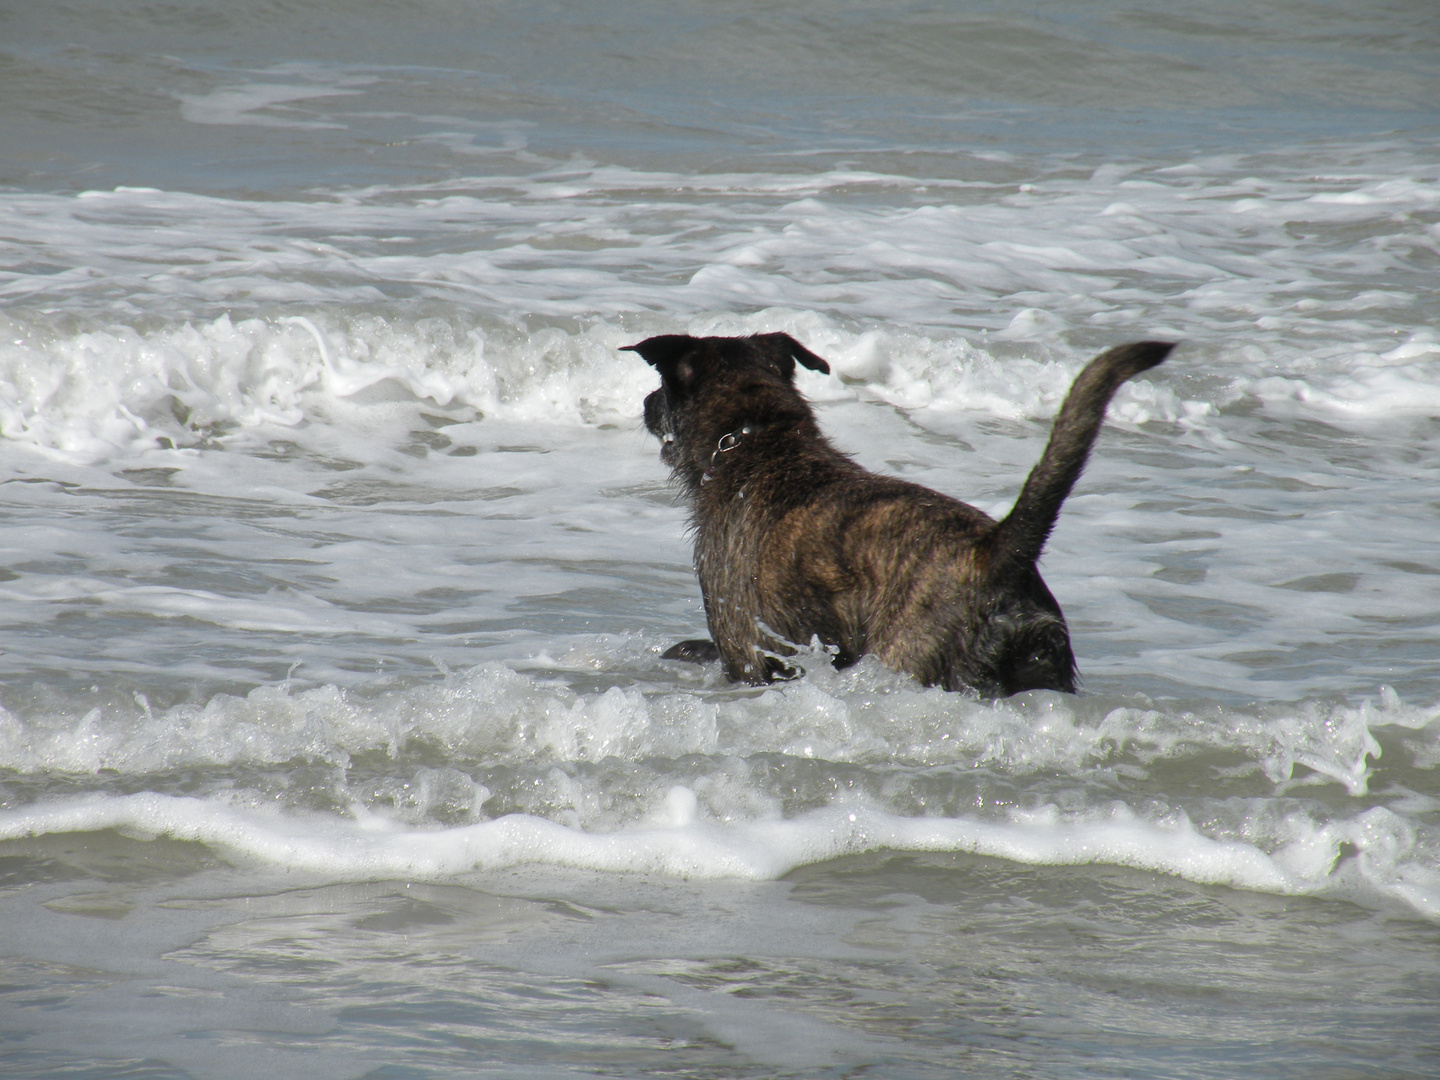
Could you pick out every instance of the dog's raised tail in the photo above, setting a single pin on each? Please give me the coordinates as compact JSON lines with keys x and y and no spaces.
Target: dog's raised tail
{"x":1019,"y":539}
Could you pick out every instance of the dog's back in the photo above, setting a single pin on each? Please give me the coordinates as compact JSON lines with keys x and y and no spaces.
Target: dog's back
{"x":794,"y":540}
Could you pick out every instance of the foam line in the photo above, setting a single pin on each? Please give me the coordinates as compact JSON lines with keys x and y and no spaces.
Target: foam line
{"x":371,"y":847}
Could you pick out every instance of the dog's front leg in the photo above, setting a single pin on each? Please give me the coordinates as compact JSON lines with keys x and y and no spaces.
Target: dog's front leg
{"x":754,"y":659}
{"x":694,"y":651}
{"x":704,"y":651}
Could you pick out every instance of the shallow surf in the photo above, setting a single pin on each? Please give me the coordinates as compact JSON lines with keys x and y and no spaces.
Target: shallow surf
{"x":337,"y":565}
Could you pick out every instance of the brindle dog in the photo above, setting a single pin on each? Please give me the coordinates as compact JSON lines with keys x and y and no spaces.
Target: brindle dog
{"x":793,"y":540}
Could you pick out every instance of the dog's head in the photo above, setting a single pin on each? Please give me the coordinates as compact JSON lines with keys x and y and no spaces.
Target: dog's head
{"x":712,"y":387}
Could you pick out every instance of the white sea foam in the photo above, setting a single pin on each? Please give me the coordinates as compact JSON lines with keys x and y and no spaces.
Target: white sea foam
{"x":865,"y":715}
{"x":752,"y":785}
{"x":118,"y":392}
{"x":1206,"y":253}
{"x":368,"y":847}
{"x":270,"y":104}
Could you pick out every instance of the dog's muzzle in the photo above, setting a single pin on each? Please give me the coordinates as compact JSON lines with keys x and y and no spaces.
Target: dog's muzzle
{"x":657,"y":422}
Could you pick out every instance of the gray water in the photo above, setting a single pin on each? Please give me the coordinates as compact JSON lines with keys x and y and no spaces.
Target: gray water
{"x":334,"y":734}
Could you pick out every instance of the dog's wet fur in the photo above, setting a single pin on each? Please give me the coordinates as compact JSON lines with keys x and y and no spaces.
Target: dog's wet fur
{"x":793,"y":540}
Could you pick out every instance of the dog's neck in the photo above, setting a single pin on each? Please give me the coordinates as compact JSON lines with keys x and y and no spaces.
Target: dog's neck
{"x":727,"y":443}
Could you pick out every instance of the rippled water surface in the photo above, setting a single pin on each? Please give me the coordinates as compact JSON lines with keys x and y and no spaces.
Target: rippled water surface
{"x":336,"y":564}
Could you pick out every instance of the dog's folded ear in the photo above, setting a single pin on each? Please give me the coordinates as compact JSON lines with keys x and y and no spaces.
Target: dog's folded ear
{"x":786,"y":351}
{"x":668,"y":354}
{"x":663,"y":350}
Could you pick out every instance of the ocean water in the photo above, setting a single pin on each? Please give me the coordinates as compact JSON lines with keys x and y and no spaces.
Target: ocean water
{"x":336,"y":564}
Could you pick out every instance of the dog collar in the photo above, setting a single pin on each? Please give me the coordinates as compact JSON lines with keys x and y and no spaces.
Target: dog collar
{"x":724,"y":445}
